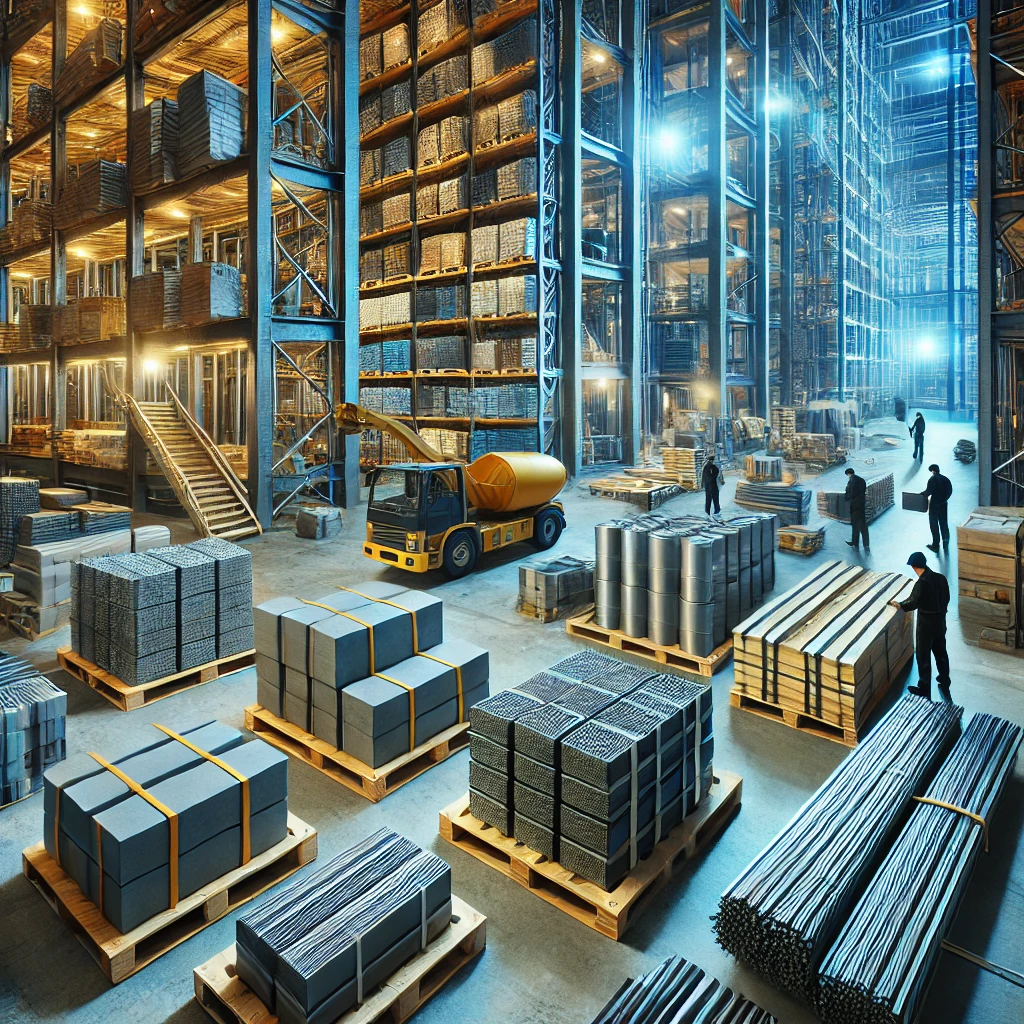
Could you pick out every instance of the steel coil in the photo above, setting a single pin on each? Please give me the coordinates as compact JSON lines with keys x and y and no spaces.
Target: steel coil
{"x":607,"y":603}
{"x":634,"y":611}
{"x":608,"y":548}
{"x":634,"y":556}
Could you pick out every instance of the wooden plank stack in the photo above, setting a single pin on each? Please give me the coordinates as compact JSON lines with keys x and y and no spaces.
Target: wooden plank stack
{"x":95,"y":57}
{"x":990,"y":543}
{"x":156,"y":300}
{"x":880,"y":497}
{"x":92,"y":189}
{"x":687,"y":464}
{"x":36,"y":326}
{"x":829,"y":648}
{"x":210,"y":291}
{"x":34,"y":111}
{"x":211,"y":122}
{"x":792,"y":504}
{"x":106,"y":449}
{"x":31,"y":223}
{"x":155,"y":145}
{"x":803,"y":540}
{"x":101,"y":317}
{"x":819,"y":449}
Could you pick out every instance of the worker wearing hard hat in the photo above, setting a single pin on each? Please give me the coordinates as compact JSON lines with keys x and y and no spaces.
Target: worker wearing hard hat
{"x":930,"y":599}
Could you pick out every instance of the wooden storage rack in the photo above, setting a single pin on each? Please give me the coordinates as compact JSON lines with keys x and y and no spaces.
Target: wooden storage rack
{"x":128,"y":698}
{"x":227,"y":999}
{"x":373,"y":783}
{"x":122,"y":955}
{"x":609,"y":913}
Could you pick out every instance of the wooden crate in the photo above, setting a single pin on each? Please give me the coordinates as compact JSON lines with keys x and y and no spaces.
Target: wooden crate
{"x":646,"y":493}
{"x":373,"y":783}
{"x":122,"y":955}
{"x":609,"y":913}
{"x":222,"y":994}
{"x":128,"y":698}
{"x":583,"y":627}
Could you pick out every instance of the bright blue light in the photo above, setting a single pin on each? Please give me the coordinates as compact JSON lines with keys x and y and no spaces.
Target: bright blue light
{"x":776,"y":103}
{"x":938,"y":65}
{"x":668,"y":140}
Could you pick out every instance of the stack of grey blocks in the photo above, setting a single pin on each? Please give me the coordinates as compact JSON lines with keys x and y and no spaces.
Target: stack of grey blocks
{"x":145,"y":538}
{"x":587,"y":764}
{"x":316,"y":949}
{"x":315,"y":668}
{"x":144,"y":616}
{"x":32,"y":728}
{"x":116,"y":845}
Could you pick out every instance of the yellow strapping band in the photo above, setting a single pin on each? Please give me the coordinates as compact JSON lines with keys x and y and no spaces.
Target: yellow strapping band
{"x":381,"y":600}
{"x":959,"y":810}
{"x":412,"y":705}
{"x":354,"y":618}
{"x":172,"y":818}
{"x":458,"y":675}
{"x":235,"y":773}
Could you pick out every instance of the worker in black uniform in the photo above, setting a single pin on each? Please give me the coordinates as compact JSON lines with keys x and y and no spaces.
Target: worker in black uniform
{"x":856,"y":493}
{"x":930,"y":599}
{"x":938,"y":492}
{"x":709,"y":480}
{"x":917,"y":433}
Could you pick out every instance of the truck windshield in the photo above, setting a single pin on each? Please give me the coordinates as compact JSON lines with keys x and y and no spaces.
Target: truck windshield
{"x":396,"y":490}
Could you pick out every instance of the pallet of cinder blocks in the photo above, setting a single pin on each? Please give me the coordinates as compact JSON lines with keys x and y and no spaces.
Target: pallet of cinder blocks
{"x":161,"y":835}
{"x":32,"y":737}
{"x":92,"y":189}
{"x":95,"y":57}
{"x":210,"y":291}
{"x":211,"y":122}
{"x":555,"y":588}
{"x":369,"y":937}
{"x":144,"y":626}
{"x":156,"y":300}
{"x":989,"y":544}
{"x":360,"y":683}
{"x":822,"y":656}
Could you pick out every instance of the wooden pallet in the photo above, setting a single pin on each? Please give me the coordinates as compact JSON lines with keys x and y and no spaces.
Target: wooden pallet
{"x":609,"y":913}
{"x":849,"y":737}
{"x":584,"y":627}
{"x":639,"y":491}
{"x":122,"y":955}
{"x":373,"y":783}
{"x":228,"y":1000}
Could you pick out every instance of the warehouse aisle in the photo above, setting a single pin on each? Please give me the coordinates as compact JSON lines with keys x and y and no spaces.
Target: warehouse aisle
{"x":540,"y":966}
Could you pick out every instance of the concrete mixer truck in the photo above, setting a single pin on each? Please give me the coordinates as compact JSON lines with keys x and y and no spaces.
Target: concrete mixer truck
{"x":432,"y":513}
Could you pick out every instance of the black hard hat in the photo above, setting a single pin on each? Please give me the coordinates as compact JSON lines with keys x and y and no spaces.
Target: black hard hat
{"x":917,"y":560}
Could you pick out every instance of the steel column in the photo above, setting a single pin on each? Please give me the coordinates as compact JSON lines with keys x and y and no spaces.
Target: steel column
{"x":986,"y":262}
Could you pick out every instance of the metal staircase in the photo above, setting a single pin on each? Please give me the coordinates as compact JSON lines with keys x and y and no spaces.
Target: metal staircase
{"x":196,"y":469}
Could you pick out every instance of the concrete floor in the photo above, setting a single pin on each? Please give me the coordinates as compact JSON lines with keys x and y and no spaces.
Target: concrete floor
{"x":540,"y":966}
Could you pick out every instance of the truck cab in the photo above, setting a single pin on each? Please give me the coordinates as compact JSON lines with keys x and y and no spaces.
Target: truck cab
{"x":418,"y":519}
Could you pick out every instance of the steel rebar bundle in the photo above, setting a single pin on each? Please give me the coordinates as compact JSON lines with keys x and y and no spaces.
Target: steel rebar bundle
{"x":783,"y":913}
{"x":682,"y":993}
{"x":880,"y":965}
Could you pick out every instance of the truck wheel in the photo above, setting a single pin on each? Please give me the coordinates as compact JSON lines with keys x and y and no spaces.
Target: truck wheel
{"x":459,"y":558}
{"x":547,"y":528}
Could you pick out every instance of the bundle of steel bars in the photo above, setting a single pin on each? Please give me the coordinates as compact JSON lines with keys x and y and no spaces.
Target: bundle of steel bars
{"x":784,"y":912}
{"x":682,"y":993}
{"x":879,"y":967}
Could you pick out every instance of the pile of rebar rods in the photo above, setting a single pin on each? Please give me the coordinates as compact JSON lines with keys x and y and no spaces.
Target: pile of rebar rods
{"x":880,"y":965}
{"x":784,"y":911}
{"x":682,"y":993}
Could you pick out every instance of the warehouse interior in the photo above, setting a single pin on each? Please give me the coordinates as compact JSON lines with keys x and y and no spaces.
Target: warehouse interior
{"x":308,"y":308}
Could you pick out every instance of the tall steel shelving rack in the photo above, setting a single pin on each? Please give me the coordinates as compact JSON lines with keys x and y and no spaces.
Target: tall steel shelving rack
{"x":276,"y":340}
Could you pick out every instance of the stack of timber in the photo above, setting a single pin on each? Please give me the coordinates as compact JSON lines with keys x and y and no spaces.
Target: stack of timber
{"x":880,"y":497}
{"x":791,"y":503}
{"x":783,"y":424}
{"x":210,"y":291}
{"x":156,"y":300}
{"x":817,"y":450}
{"x":155,"y":145}
{"x":821,"y":656}
{"x":990,"y":543}
{"x":95,"y":57}
{"x":803,"y":540}
{"x":760,"y":468}
{"x":685,"y":991}
{"x":686,"y":465}
{"x":35,"y":110}
{"x":92,"y":189}
{"x":105,"y":447}
{"x":211,"y":122}
{"x":156,"y":15}
{"x":31,"y":223}
{"x":100,"y":317}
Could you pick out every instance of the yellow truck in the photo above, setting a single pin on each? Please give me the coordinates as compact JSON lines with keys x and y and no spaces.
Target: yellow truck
{"x":432,"y":513}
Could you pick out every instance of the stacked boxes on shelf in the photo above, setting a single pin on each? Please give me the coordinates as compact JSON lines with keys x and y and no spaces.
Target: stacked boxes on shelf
{"x":366,"y":670}
{"x":115,"y":843}
{"x":317,"y":948}
{"x":592,"y":762}
{"x":92,"y":189}
{"x":32,"y":736}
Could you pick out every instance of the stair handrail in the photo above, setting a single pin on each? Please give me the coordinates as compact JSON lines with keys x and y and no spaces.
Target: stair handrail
{"x":166,"y":460}
{"x":216,"y":455}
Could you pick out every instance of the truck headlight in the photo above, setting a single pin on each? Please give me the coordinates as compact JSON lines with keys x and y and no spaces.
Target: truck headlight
{"x":412,"y":542}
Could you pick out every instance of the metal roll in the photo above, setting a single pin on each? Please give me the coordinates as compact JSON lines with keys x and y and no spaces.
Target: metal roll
{"x":634,"y":611}
{"x":696,"y":618}
{"x":663,"y":561}
{"x":634,"y":557}
{"x":608,"y":547}
{"x":700,"y":644}
{"x":664,"y":633}
{"x":607,"y":603}
{"x":698,"y":558}
{"x":663,"y":607}
{"x":696,"y":590}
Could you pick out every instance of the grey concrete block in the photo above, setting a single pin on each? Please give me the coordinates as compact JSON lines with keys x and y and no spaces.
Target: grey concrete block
{"x":295,"y":635}
{"x":267,"y":620}
{"x":340,"y":650}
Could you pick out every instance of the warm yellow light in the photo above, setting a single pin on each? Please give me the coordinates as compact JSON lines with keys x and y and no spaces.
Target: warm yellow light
{"x":679,"y":210}
{"x":276,"y":35}
{"x":150,"y":366}
{"x":728,"y":60}
{"x":82,"y":254}
{"x":179,"y":214}
{"x":599,"y":58}
{"x":91,"y":135}
{"x":181,"y":348}
{"x":82,"y":10}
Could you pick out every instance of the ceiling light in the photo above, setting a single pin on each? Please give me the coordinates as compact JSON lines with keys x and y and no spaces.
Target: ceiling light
{"x":599,"y":58}
{"x":181,"y":348}
{"x":277,"y":34}
{"x":150,"y":366}
{"x":83,"y":10}
{"x":679,"y":210}
{"x":728,"y":60}
{"x":82,"y":254}
{"x":179,"y":214}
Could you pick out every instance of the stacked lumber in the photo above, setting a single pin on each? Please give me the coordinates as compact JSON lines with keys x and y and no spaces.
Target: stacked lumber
{"x":92,"y":189}
{"x":156,"y":300}
{"x":95,"y":57}
{"x":101,"y":317}
{"x":31,"y":439}
{"x":36,"y":326}
{"x":990,"y":542}
{"x":783,"y":423}
{"x":803,"y":540}
{"x":828,"y":648}
{"x":31,"y":223}
{"x":155,"y":145}
{"x":210,"y":291}
{"x":879,"y":498}
{"x":34,"y":111}
{"x":211,"y":122}
{"x":686,"y":464}
{"x":792,"y":504}
{"x":819,"y":449}
{"x":106,"y":449}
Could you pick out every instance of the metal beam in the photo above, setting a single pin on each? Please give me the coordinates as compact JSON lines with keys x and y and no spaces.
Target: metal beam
{"x":718,"y":170}
{"x":762,"y":217}
{"x":986,"y":252}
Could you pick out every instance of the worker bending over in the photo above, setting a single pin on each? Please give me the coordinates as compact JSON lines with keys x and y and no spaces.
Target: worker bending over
{"x":930,"y":599}
{"x":709,"y":479}
{"x":938,"y":492}
{"x":856,"y":495}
